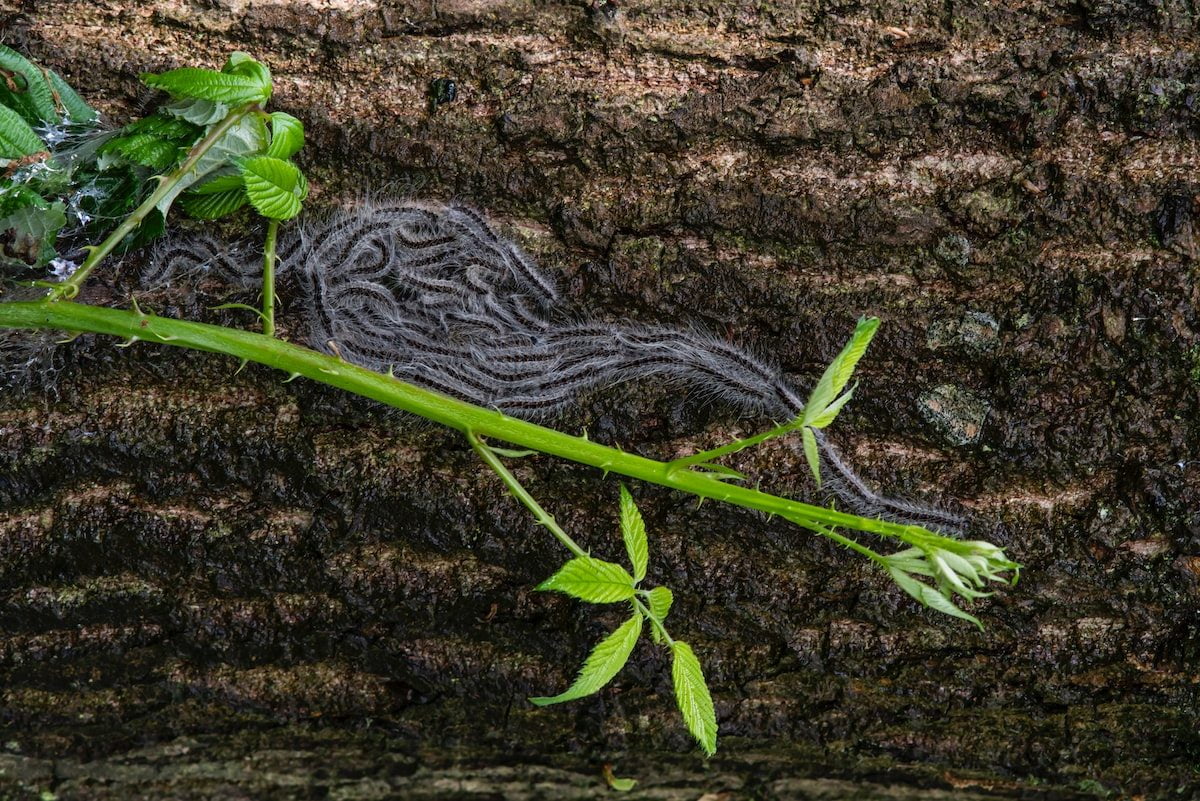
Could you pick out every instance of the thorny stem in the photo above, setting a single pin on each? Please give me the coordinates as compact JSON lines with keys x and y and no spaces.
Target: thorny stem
{"x":268,"y":280}
{"x":70,"y":287}
{"x":467,"y":418}
{"x":518,"y":489}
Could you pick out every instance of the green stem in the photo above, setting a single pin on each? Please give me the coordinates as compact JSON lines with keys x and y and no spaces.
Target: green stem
{"x":268,"y":281}
{"x":854,"y":546}
{"x":522,"y":494}
{"x":734,"y":447}
{"x":443,"y":409}
{"x":645,"y":612}
{"x":70,"y":288}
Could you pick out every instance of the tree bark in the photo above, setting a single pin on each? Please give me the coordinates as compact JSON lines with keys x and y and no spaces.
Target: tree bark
{"x":216,"y":585}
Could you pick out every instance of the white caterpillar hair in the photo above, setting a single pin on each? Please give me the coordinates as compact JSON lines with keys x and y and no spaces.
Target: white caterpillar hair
{"x":434,"y":294}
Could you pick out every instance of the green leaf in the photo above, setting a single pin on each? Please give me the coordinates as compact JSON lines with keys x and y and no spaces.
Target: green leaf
{"x":848,"y":359}
{"x":196,"y":111}
{"x":77,"y":110}
{"x":633,"y":530}
{"x":605,"y":661}
{"x":695,"y":701}
{"x":163,"y":126}
{"x":212,"y":206}
{"x":811,"y":454}
{"x":222,"y":180}
{"x":17,"y":139}
{"x":275,"y":187}
{"x":929,"y":597}
{"x":144,"y":149}
{"x":591,"y":580}
{"x":831,"y":411}
{"x":240,"y":63}
{"x":287,"y":135}
{"x":236,"y":59}
{"x":838,"y":373}
{"x":246,"y":85}
{"x":659,"y":600}
{"x":25,"y":82}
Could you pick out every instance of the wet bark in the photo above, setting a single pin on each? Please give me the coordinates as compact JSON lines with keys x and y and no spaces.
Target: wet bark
{"x":216,"y":585}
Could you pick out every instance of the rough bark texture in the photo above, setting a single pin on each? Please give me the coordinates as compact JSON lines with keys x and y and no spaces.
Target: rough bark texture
{"x":214,"y":585}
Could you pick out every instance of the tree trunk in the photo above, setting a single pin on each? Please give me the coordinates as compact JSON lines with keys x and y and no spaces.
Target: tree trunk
{"x":216,"y":585}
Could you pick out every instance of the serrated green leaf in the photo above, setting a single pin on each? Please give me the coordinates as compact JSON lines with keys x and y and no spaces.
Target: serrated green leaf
{"x":831,"y":411}
{"x":233,"y":88}
{"x":605,"y":661}
{"x":930,"y":597}
{"x":287,"y":135}
{"x":276,"y":188}
{"x":225,"y":179}
{"x":633,"y":531}
{"x":935,"y":600}
{"x":660,"y":600}
{"x":838,"y":373}
{"x":240,"y":63}
{"x":196,"y":111}
{"x":592,"y":580}
{"x":236,"y":59}
{"x":163,"y":126}
{"x":17,"y":139}
{"x":848,"y":359}
{"x":76,"y":108}
{"x":144,"y":149}
{"x":811,"y":453}
{"x":907,"y":583}
{"x":212,"y":206}
{"x":691,"y":693}
{"x":25,"y":82}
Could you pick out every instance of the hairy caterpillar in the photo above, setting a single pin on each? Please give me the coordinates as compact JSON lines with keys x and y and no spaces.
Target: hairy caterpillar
{"x":434,"y":294}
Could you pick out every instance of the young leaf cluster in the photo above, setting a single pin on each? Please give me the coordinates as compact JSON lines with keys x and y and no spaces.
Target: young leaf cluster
{"x":210,"y":146}
{"x":597,"y":581}
{"x":248,"y":158}
{"x":827,"y":398}
{"x":957,"y":567}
